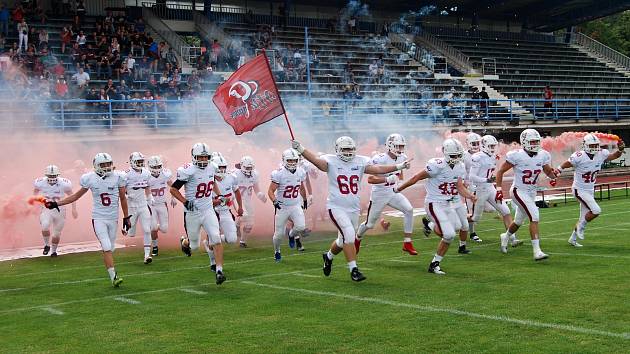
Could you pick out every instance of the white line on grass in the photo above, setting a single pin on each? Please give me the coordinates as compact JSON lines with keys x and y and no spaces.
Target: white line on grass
{"x":52,"y":310}
{"x":424,"y":308}
{"x":126,"y":300}
{"x":193,"y":291}
{"x":306,"y":275}
{"x":588,"y":255}
{"x":14,"y":289}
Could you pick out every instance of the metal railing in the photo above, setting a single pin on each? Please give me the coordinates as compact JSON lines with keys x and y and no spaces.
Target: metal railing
{"x":600,"y":49}
{"x":450,"y":110}
{"x":170,"y":36}
{"x":488,"y":66}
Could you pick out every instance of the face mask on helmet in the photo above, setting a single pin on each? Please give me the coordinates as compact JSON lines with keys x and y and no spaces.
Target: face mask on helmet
{"x":137,"y":164}
{"x":396,"y":144}
{"x":155,"y":170}
{"x":221,"y":171}
{"x":106,"y":168}
{"x":247,"y":171}
{"x":530,"y":140}
{"x":489,"y":144}
{"x":52,"y":179}
{"x":474,"y":146}
{"x":345,"y":148}
{"x":200,"y":155}
{"x":591,"y":144}
{"x":247,"y":166}
{"x":453,"y":159}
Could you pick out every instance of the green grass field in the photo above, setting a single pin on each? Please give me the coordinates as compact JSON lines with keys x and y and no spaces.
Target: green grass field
{"x":576,"y":301}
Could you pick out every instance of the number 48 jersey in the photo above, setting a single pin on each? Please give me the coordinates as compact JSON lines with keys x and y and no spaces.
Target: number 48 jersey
{"x":442,"y":183}
{"x":199,"y":184}
{"x":527,"y":168}
{"x":159,"y":186}
{"x":289,"y":183}
{"x":344,"y":182}
{"x":586,"y":168}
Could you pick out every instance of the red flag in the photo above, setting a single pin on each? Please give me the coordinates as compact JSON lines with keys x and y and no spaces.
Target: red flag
{"x":249,"y":97}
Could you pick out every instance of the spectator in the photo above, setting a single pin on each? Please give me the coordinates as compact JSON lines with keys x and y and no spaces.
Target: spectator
{"x":125,"y":73}
{"x":194,"y":82}
{"x":92,"y":95}
{"x":153,"y":86}
{"x":314,"y":59}
{"x":171,"y":57}
{"x":103,"y":105}
{"x":548,"y":96}
{"x":483,"y":95}
{"x":373,"y":71}
{"x":352,"y":25}
{"x":172,"y":92}
{"x":18,"y":14}
{"x":135,"y":104}
{"x":297,"y":58}
{"x":104,"y":65}
{"x":140,"y":26}
{"x":110,"y":88}
{"x":80,"y":11}
{"x":4,"y":20}
{"x":215,"y":55}
{"x":82,"y":79}
{"x":124,"y":92}
{"x":81,"y":39}
{"x":43,"y":39}
{"x":66,"y":38}
{"x":142,"y":70}
{"x":137,"y":49}
{"x":40,"y":15}
{"x":474,"y":104}
{"x":22,"y":29}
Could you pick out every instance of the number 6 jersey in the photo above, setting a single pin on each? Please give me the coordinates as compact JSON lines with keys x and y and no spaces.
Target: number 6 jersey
{"x":104,"y":194}
{"x":442,"y":183}
{"x":586,"y":168}
{"x":159,"y":186}
{"x":289,"y":183}
{"x":527,"y":168}
{"x":344,"y":182}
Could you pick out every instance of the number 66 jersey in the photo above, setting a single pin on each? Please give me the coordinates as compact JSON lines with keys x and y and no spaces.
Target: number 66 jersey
{"x":344,"y":182}
{"x":586,"y":168}
{"x":442,"y":183}
{"x":527,"y":168}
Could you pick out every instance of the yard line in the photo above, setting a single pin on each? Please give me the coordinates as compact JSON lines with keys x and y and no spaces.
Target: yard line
{"x":193,"y":291}
{"x":587,"y":255}
{"x":306,"y":275}
{"x":54,"y":311}
{"x":451,"y":311}
{"x":14,"y":289}
{"x":126,"y":300}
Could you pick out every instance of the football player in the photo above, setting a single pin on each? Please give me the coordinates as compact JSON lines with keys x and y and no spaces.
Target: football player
{"x":345,"y":171}
{"x":247,"y":179}
{"x":139,"y":198}
{"x":445,"y":177}
{"x":587,"y":163}
{"x":197,"y":178}
{"x":308,"y":170}
{"x":383,"y":195}
{"x":528,"y":163}
{"x":482,"y":176}
{"x":159,"y":182}
{"x":285,"y":189}
{"x":473,"y":142}
{"x":53,"y":187}
{"x":224,"y":200}
{"x":108,"y":192}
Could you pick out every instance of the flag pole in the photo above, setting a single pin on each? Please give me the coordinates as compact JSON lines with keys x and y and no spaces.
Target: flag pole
{"x":286,"y":118}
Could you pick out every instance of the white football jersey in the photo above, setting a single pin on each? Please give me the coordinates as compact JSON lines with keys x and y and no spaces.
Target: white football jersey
{"x":467,"y":157}
{"x":482,"y":167}
{"x":55,"y":191}
{"x":137,"y":182}
{"x":586,"y":168}
{"x":105,"y":194}
{"x":288,"y":191}
{"x":344,"y":182}
{"x":245,"y":183}
{"x":159,"y":185}
{"x":199,"y":184}
{"x":308,"y":167}
{"x":442,"y":182}
{"x":227,"y":186}
{"x":527,"y":169}
{"x":386,"y":189}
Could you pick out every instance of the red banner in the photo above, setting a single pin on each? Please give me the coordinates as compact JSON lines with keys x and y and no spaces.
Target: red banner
{"x":249,"y":97}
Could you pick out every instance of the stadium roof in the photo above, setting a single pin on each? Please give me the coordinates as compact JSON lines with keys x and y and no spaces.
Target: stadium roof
{"x":540,"y":15}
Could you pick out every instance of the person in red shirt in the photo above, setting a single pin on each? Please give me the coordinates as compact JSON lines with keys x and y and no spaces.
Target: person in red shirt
{"x":548,"y":95}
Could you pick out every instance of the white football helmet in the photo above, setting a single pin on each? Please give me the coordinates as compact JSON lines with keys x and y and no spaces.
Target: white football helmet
{"x":530,"y":140}
{"x":473,"y":141}
{"x":290,"y":159}
{"x":591,"y":144}
{"x":103,"y":164}
{"x":247,"y":166}
{"x":395,"y":144}
{"x":155,"y":165}
{"x":489,"y":144}
{"x":453,"y":151}
{"x":345,"y":148}
{"x":136,"y":160}
{"x":52,"y":173}
{"x":220,"y":165}
{"x":200,"y":150}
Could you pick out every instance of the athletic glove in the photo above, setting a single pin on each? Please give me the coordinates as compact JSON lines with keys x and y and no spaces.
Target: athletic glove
{"x":189,"y":205}
{"x":621,"y":145}
{"x":277,"y":204}
{"x":127,"y":223}
{"x":297,"y":146}
{"x":305,"y":204}
{"x":403,"y":165}
{"x":499,"y":196}
{"x":51,"y":204}
{"x":553,"y":182}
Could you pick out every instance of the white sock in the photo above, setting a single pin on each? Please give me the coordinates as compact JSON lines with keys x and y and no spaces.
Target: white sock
{"x":582,"y":225}
{"x":276,"y":243}
{"x":437,"y":258}
{"x":219,"y":268}
{"x":46,"y":240}
{"x":147,"y":251}
{"x":536,"y":245}
{"x":147,"y":244}
{"x":509,"y":233}
{"x":462,"y":243}
{"x":407,"y":239}
{"x":512,"y":237}
{"x":352,"y":265}
{"x":432,"y":225}
{"x":112,"y":273}
{"x":154,"y":243}
{"x":330,"y":255}
{"x":53,"y":248}
{"x":573,"y":235}
{"x":471,"y":226}
{"x":362,"y":230}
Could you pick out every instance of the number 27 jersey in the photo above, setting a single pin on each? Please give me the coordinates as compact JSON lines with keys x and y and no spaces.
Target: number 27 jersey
{"x":527,"y":169}
{"x":442,"y":183}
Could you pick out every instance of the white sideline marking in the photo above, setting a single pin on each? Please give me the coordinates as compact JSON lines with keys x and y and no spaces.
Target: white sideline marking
{"x":424,"y":308}
{"x":54,"y":311}
{"x":127,"y":300}
{"x":14,"y":289}
{"x":587,"y":255}
{"x":402,"y":261}
{"x":306,"y":275}
{"x":193,"y":291}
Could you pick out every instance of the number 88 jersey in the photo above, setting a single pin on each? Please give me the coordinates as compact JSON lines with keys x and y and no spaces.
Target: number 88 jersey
{"x":288,"y":191}
{"x":199,"y":184}
{"x":159,"y":186}
{"x":527,"y":169}
{"x":442,"y":183}
{"x":344,"y":182}
{"x":586,"y":169}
